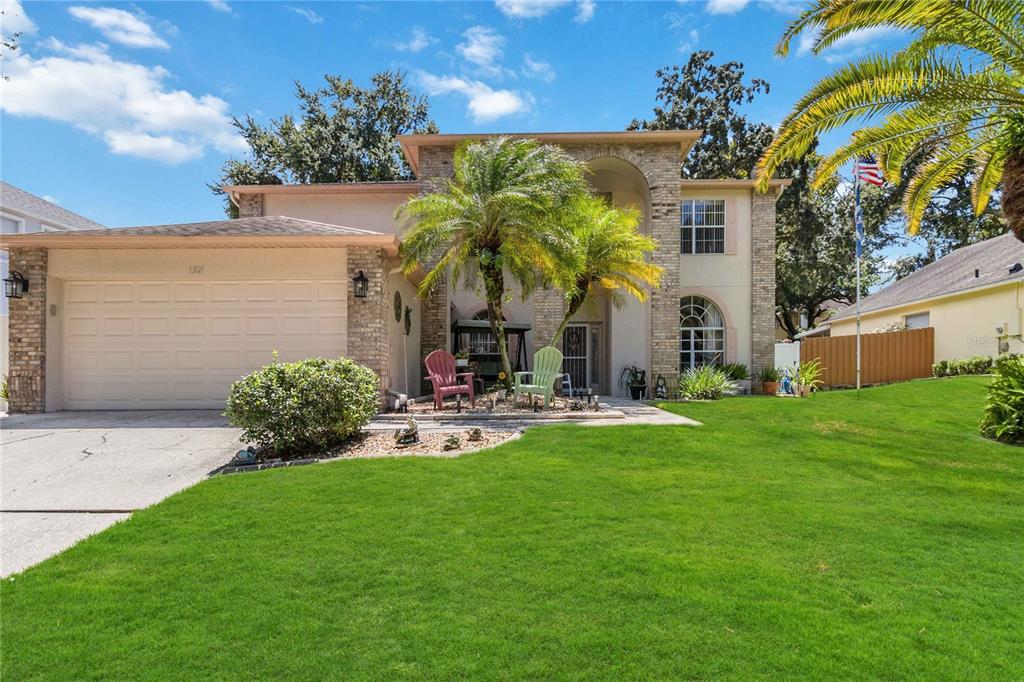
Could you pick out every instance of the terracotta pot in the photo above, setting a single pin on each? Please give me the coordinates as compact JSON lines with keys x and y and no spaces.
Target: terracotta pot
{"x":805,"y":391}
{"x":770,"y":387}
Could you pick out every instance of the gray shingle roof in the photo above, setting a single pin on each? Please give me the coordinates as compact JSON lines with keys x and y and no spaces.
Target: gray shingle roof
{"x":242,"y":227}
{"x":19,"y":200}
{"x":950,"y":274}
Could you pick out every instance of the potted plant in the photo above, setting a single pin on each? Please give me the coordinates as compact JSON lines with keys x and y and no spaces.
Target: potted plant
{"x":770,"y":380}
{"x":634,"y":380}
{"x":809,"y":376}
{"x":462,"y":358}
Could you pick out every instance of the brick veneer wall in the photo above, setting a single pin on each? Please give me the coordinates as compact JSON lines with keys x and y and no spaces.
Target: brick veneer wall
{"x":762,"y":289}
{"x":368,"y":342}
{"x":548,"y":310}
{"x":435,"y":325}
{"x":27,"y":334}
{"x":250,"y":205}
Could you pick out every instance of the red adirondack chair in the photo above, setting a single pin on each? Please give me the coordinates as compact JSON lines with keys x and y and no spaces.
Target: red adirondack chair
{"x":441,"y":370}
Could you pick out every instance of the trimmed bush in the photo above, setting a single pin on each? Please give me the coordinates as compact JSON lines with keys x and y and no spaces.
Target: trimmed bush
{"x":303,"y":407}
{"x":940,"y":368}
{"x":707,"y":382}
{"x":976,"y":364}
{"x":1004,"y":405}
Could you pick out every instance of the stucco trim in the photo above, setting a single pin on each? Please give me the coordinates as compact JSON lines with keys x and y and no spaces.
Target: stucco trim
{"x":387,"y":242}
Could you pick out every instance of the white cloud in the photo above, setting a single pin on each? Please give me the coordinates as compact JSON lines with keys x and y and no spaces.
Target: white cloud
{"x":484,"y":103}
{"x":220,"y":5}
{"x":726,"y":6}
{"x":534,"y":9}
{"x":14,"y":20}
{"x":849,"y":46}
{"x":120,"y":26}
{"x":307,"y":14}
{"x":482,"y":47}
{"x":539,"y":69}
{"x":419,"y":40}
{"x":127,"y":105}
{"x":585,"y":11}
{"x":690,"y":41}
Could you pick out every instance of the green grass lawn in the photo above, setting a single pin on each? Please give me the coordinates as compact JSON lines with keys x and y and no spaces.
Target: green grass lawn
{"x":838,"y":537}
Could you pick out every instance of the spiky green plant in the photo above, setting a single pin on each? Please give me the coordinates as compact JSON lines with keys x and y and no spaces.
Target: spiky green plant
{"x":502,"y":213}
{"x":1004,"y":406}
{"x":954,"y":95}
{"x":609,"y":253}
{"x":707,"y":382}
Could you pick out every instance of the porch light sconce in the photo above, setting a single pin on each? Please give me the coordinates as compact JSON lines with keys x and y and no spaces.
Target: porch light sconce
{"x":15,"y":285}
{"x":360,"y":285}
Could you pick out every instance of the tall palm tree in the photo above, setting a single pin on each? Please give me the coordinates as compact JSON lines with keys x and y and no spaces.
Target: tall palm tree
{"x":609,"y":253}
{"x":503,"y":212}
{"x":955,"y":95}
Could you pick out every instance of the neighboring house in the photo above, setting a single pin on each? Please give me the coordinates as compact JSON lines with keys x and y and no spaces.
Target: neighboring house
{"x":966,"y":296}
{"x":169,"y":316}
{"x":23,"y":213}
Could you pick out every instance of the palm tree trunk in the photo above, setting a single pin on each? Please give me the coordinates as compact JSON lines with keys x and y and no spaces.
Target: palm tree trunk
{"x":1013,"y":192}
{"x":494,"y":288}
{"x":575,"y":303}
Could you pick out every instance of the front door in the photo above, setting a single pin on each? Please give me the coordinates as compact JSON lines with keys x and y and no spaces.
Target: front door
{"x":580,"y":344}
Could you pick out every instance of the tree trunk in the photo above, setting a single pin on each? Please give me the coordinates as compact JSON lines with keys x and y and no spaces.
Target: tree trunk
{"x":575,"y":303}
{"x":494,"y":287}
{"x":1013,"y":192}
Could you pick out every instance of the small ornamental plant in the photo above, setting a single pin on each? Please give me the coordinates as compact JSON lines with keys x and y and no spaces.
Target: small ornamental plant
{"x":303,"y":407}
{"x":1003,"y":419}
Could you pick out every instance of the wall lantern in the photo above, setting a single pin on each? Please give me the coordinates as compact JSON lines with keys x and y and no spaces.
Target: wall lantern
{"x":15,"y":285}
{"x":360,"y":285}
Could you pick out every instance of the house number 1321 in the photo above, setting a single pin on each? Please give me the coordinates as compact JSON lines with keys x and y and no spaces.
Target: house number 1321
{"x":196,"y":269}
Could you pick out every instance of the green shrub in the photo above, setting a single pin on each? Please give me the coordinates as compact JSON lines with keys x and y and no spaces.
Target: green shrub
{"x":976,"y":364}
{"x":770,"y":374}
{"x":940,"y":368}
{"x":707,"y":382}
{"x":1004,"y":405}
{"x":305,"y":406}
{"x":736,"y":371}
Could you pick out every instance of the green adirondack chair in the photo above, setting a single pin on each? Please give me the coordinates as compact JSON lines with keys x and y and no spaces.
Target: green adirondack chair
{"x":547,"y":366}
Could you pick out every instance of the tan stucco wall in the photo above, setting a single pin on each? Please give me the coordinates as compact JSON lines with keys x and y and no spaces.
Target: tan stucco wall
{"x":366,"y":212}
{"x":406,"y":370}
{"x":726,"y":279}
{"x":965,"y":325}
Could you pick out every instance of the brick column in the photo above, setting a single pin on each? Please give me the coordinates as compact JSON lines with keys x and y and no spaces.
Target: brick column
{"x":27,"y":334}
{"x":435,"y":309}
{"x":548,"y":310}
{"x":762,"y":284}
{"x":250,"y":205}
{"x":368,"y":342}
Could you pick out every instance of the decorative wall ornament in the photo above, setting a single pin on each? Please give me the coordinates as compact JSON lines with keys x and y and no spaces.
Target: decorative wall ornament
{"x":398,"y":306}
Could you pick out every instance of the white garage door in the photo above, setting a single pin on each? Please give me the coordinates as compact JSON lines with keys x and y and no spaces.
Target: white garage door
{"x":177,"y":345}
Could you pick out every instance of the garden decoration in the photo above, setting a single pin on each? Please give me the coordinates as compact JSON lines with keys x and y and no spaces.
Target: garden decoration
{"x":660,"y":387}
{"x":410,"y":435}
{"x":474,"y":434}
{"x":452,"y":442}
{"x":398,"y":306}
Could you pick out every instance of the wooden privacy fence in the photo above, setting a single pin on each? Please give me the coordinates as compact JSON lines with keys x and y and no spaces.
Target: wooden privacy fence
{"x":892,"y":356}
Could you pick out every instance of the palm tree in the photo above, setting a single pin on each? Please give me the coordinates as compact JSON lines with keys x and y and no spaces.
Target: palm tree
{"x":954,"y":96}
{"x":503,"y":212}
{"x":609,"y":252}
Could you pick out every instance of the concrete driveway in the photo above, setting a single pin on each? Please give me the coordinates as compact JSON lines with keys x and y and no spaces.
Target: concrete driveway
{"x":67,"y":475}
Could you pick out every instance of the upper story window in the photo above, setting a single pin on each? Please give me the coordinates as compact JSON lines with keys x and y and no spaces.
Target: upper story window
{"x":703,"y":225}
{"x":10,"y":224}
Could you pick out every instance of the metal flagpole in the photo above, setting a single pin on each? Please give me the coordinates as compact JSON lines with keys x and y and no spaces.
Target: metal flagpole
{"x":858,"y":227}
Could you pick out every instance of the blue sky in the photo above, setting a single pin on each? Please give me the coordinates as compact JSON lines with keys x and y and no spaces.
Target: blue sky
{"x":119,"y":111}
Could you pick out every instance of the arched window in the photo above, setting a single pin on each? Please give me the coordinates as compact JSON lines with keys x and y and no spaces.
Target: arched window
{"x":701,"y":333}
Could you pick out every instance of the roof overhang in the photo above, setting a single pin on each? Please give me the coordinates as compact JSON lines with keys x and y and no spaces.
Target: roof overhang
{"x":411,"y":144}
{"x":68,"y":240}
{"x":843,"y":315}
{"x":401,"y":188}
{"x":775,"y":184}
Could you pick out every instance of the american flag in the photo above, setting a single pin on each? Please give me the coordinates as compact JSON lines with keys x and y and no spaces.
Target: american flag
{"x":868,"y":170}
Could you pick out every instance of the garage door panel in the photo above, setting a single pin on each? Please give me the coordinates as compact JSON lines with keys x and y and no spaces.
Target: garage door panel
{"x":182,"y":344}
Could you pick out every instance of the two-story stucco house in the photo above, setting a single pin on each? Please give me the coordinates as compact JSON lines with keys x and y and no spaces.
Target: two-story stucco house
{"x":168,"y":316}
